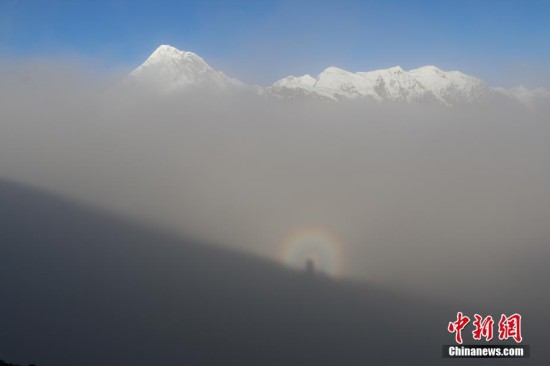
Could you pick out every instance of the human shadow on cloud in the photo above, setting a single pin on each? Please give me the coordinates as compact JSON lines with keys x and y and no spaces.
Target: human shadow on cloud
{"x":83,"y":287}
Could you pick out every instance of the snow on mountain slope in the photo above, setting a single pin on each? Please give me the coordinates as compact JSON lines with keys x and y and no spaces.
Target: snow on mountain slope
{"x":452,"y":87}
{"x":169,"y":69}
{"x":425,"y":84}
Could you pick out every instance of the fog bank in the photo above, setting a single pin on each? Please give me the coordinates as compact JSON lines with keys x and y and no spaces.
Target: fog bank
{"x":438,"y":199}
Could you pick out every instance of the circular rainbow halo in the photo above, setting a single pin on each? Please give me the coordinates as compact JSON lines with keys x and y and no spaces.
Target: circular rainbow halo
{"x":315,"y":244}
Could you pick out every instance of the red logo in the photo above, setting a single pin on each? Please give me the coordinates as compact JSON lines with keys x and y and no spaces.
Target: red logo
{"x":458,"y":325}
{"x":484,"y":327}
{"x":508,"y":327}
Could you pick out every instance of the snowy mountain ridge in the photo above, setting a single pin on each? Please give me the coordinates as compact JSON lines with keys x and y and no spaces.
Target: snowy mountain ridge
{"x":168,"y":69}
{"x":425,"y":84}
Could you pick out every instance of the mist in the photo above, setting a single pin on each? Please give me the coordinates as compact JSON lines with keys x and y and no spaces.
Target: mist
{"x":440,"y":201}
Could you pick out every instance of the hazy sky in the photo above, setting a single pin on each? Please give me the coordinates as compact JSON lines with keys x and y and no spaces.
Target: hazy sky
{"x":503,"y":42}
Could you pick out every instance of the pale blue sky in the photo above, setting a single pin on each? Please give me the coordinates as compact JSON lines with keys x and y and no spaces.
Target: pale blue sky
{"x":503,"y":42}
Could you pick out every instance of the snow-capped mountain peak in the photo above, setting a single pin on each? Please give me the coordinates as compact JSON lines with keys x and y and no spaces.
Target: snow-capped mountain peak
{"x":166,"y":53}
{"x":170,"y":69}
